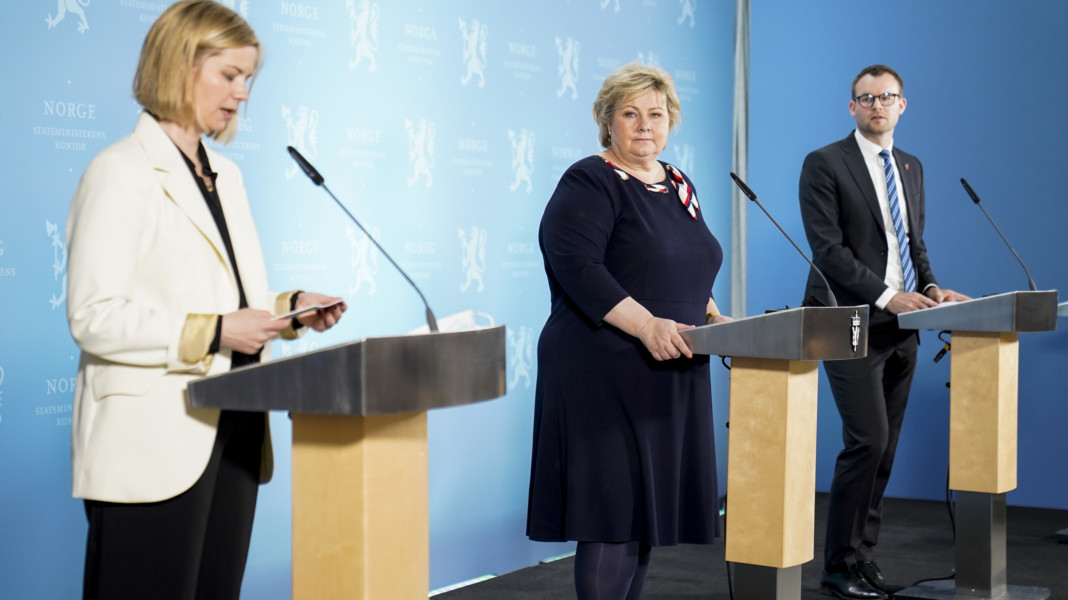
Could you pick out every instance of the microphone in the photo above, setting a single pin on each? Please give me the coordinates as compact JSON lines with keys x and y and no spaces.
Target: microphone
{"x":310,"y":171}
{"x":749,"y":194}
{"x":318,"y":180}
{"x":975,"y":198}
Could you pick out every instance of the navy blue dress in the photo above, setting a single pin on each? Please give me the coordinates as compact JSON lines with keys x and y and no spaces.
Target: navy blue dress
{"x":623,"y":444}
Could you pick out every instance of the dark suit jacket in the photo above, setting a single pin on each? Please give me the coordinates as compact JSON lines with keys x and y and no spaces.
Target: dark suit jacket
{"x":844,"y":225}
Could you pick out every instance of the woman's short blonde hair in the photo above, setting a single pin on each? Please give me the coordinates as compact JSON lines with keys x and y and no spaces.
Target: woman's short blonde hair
{"x":626,"y":83}
{"x":181,"y":39}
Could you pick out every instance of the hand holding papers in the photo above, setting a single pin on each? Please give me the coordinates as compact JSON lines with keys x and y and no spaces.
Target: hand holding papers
{"x":307,"y":309}
{"x":316,"y":311}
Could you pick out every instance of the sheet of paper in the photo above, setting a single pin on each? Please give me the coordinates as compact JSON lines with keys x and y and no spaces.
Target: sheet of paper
{"x":306,"y":309}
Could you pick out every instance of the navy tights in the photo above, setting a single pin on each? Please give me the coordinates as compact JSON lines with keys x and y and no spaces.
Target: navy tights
{"x":605,"y":571}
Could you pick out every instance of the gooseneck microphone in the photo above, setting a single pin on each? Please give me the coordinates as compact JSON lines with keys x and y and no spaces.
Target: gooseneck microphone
{"x":975,"y":198}
{"x":318,"y":180}
{"x":749,"y":194}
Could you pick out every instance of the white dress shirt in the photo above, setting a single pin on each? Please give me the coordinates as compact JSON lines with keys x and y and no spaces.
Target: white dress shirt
{"x":895,"y":277}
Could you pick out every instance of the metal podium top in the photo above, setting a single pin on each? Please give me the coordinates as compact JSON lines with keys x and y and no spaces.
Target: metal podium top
{"x":369,"y":377}
{"x":1003,"y":313}
{"x":808,"y":333}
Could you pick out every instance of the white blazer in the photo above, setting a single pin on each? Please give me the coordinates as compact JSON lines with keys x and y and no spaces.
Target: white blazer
{"x":144,"y":252}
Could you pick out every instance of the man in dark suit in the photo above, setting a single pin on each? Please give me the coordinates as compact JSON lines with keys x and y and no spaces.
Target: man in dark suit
{"x":862,"y":205}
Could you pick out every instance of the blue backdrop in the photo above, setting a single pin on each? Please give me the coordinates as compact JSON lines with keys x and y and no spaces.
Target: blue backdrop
{"x":442,"y":126}
{"x":982,"y":81}
{"x":387,"y":100}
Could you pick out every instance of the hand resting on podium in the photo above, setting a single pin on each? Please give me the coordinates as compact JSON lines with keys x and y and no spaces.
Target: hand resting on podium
{"x":903,"y":302}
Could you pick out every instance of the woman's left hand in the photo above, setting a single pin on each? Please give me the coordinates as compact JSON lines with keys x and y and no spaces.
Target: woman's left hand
{"x":324,"y":318}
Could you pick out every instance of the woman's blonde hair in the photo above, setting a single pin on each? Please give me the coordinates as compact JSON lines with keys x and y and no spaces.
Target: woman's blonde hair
{"x":627,"y":82}
{"x":181,"y":39}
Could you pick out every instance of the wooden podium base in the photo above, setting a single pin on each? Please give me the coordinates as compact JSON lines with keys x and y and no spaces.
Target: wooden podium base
{"x":771,"y":475}
{"x":771,"y":462}
{"x":983,"y":411}
{"x":360,"y":514}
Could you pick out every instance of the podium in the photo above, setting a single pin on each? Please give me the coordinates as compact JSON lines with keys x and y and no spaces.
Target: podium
{"x":771,"y":458}
{"x":360,"y":513}
{"x":984,"y":365}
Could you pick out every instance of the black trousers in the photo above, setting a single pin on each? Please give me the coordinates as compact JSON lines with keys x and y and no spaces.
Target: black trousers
{"x":871,"y":394}
{"x":192,"y":546}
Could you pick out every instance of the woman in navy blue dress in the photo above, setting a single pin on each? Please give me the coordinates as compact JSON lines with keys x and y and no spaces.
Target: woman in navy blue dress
{"x":624,"y":457}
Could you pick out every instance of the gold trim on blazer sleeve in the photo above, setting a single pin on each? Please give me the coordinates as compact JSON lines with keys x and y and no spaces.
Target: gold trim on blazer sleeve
{"x":197,"y":335}
{"x":283,"y":303}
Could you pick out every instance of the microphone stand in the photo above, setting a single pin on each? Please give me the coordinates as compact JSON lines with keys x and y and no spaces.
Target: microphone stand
{"x":318,"y":180}
{"x":752,"y":196}
{"x":975,"y":198}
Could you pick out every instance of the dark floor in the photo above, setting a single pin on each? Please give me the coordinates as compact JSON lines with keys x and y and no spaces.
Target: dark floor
{"x":916,"y":544}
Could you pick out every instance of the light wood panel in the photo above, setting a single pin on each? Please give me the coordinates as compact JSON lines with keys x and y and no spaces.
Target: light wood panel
{"x":983,"y":412}
{"x":771,"y":465}
{"x":360,"y":515}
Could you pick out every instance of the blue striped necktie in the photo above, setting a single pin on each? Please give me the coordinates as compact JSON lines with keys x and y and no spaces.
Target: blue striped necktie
{"x":899,"y":226}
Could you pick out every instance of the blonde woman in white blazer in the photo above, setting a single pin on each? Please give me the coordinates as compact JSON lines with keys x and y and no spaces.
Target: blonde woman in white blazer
{"x":166,"y":284}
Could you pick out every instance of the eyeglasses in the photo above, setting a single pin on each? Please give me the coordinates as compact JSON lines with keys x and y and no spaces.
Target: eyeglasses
{"x":868,"y":101}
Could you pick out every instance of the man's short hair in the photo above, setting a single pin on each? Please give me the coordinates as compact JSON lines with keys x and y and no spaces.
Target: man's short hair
{"x":875,"y":71}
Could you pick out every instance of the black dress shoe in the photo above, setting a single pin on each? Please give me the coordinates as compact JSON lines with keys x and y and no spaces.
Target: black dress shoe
{"x":871,"y":572}
{"x":850,"y":585}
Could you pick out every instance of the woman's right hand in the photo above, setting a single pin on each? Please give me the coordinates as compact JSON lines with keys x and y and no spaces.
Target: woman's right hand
{"x":661,"y":337}
{"x":248,"y":330}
